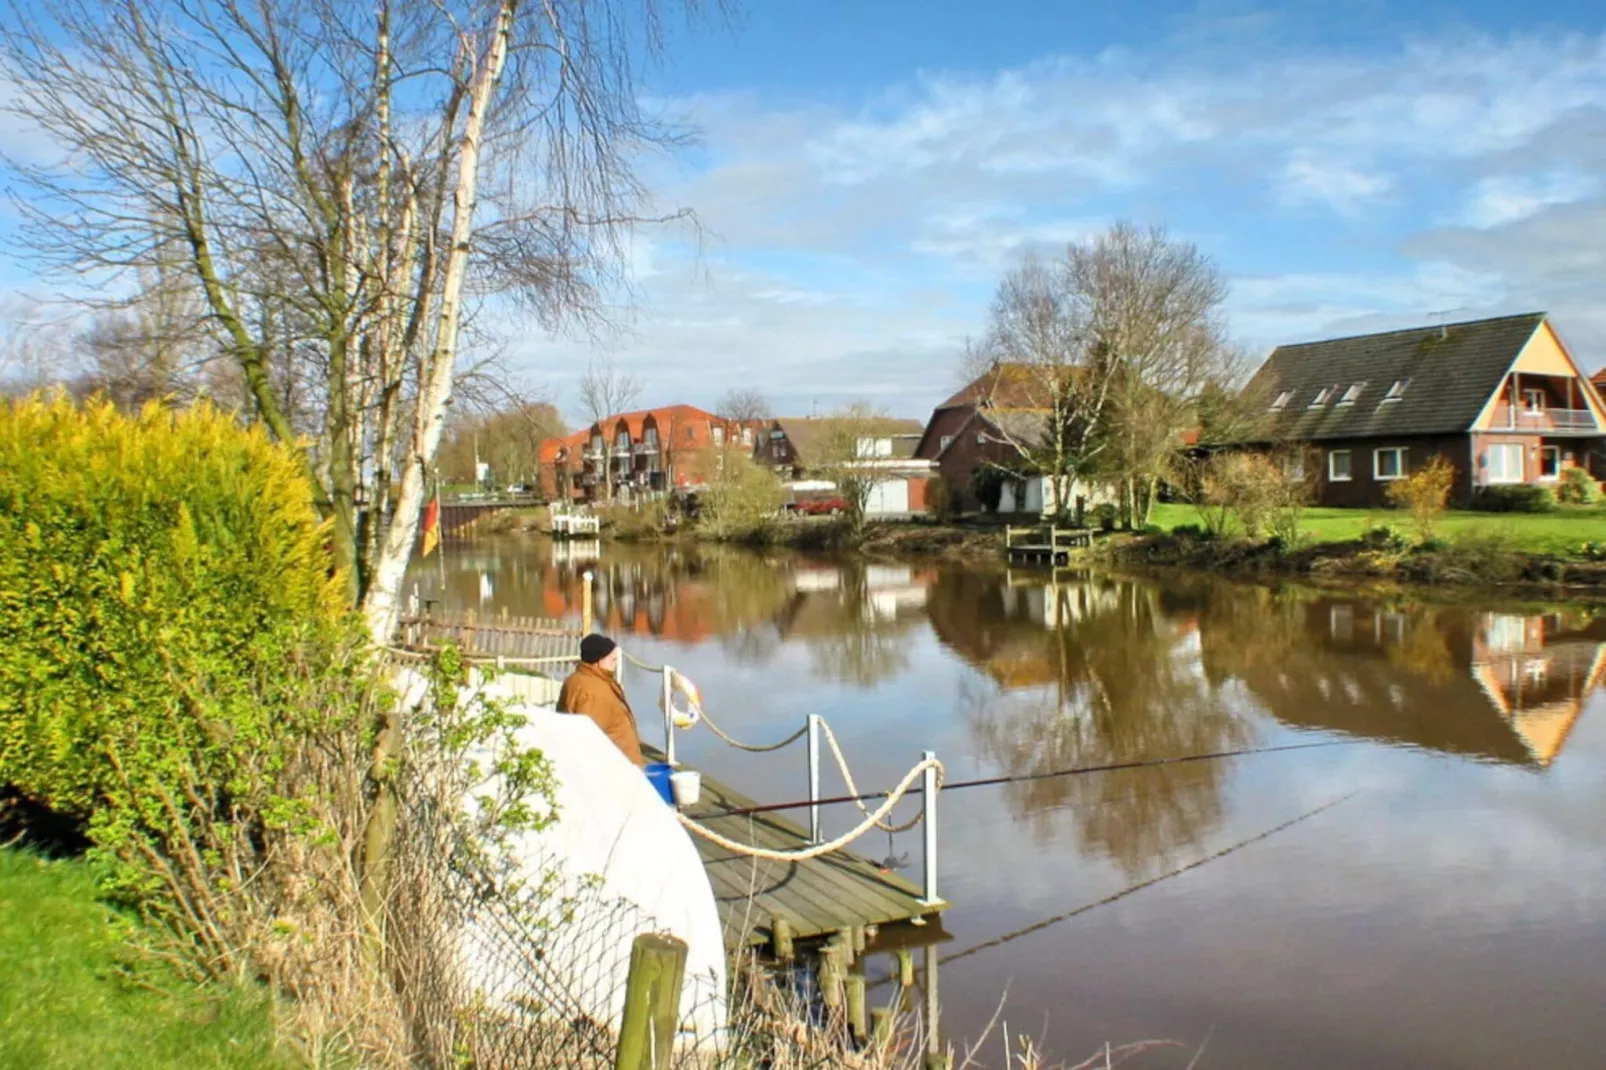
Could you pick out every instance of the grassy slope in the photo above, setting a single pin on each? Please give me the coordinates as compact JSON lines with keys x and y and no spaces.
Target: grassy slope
{"x":1547,"y":533}
{"x":64,"y":1004}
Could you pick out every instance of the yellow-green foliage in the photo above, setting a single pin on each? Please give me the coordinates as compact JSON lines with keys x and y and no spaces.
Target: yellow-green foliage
{"x":160,"y":574}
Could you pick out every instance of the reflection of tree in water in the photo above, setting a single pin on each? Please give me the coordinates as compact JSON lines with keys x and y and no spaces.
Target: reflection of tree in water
{"x":1116,"y":678}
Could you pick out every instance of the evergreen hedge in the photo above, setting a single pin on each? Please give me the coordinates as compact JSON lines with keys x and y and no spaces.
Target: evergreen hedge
{"x":170,"y":626}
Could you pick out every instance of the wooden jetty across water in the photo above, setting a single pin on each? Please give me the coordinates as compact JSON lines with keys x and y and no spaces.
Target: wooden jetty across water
{"x":762,"y":902}
{"x":1044,"y":544}
{"x":812,"y":900}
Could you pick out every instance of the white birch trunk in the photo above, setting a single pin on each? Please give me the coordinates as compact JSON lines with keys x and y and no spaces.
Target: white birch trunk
{"x":382,"y":606}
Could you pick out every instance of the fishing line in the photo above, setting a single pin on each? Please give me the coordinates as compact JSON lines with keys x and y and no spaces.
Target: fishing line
{"x":1144,"y":763}
{"x":1039,"y":926}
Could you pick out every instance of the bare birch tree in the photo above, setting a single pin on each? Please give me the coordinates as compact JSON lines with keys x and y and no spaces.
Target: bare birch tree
{"x":606,"y":391}
{"x":744,"y":404}
{"x":343,"y":179}
{"x":1113,"y":345}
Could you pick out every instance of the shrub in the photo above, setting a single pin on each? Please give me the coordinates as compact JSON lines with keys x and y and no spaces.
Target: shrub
{"x":1191,"y":531}
{"x":1515,"y":498}
{"x":1424,"y":494}
{"x":1386,"y":537}
{"x":1264,"y":494}
{"x":1577,"y":487}
{"x":741,"y":502}
{"x":1104,"y":516}
{"x":1593,"y":551}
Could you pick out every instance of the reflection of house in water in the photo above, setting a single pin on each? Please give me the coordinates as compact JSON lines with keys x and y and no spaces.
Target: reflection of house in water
{"x":575,"y":551}
{"x":1505,"y":687}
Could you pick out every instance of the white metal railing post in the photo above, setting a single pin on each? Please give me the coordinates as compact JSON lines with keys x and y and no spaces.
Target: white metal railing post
{"x":928,"y":807}
{"x":814,"y":778}
{"x":669,"y":718}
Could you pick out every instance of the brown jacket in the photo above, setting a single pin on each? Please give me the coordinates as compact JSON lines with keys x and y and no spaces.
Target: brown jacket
{"x":596,"y":693}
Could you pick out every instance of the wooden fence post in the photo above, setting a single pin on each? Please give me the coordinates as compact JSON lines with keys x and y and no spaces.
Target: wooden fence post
{"x":652,"y":1002}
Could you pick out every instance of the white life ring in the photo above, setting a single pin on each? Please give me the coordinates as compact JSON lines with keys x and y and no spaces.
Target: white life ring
{"x":688,"y":715}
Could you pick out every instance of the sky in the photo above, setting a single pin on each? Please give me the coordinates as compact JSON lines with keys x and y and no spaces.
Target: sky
{"x":868,"y":170}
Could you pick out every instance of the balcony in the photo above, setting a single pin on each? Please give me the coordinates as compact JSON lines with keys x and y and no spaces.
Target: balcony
{"x":646,"y":447}
{"x":1544,"y":421}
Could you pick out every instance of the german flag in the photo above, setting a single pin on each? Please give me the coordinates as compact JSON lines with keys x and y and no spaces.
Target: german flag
{"x":432,"y":526}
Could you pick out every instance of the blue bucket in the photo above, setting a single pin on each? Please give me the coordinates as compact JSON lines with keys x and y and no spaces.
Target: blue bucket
{"x":658,"y":776}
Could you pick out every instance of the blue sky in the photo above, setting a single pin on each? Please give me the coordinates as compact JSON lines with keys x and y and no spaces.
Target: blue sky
{"x":869,"y":168}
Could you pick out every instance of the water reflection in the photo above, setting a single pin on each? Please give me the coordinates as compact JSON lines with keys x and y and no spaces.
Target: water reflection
{"x":1361,"y":938}
{"x":1086,"y":669}
{"x":1091,"y":672}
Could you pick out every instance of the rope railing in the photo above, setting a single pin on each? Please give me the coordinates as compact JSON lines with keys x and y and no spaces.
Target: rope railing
{"x":872,"y":820}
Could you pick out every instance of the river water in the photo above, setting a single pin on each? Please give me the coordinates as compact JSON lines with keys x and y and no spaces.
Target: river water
{"x":1444,"y":906}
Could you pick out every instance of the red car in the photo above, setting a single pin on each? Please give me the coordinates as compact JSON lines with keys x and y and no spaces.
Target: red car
{"x":821,"y":507}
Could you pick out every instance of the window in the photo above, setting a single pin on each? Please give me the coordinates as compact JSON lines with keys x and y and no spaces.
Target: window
{"x":1294,"y":465}
{"x":622,"y":440}
{"x":747,"y":436}
{"x":1321,"y":397}
{"x":650,"y":437}
{"x":981,"y":438}
{"x":1549,"y":462}
{"x":946,"y":439}
{"x":1282,"y":400}
{"x":1503,"y":463}
{"x":719,"y":436}
{"x":1389,"y":463}
{"x":777,"y":433}
{"x":1338,"y":468}
{"x":1397,"y":390}
{"x":1352,"y":394}
{"x":1533,"y":400}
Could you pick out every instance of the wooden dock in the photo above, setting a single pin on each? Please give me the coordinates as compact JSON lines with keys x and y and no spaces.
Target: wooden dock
{"x":818,"y":898}
{"x":1044,"y":544}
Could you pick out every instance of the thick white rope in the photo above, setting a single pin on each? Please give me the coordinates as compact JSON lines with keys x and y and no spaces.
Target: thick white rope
{"x":751,"y":748}
{"x":804,"y":854}
{"x":853,"y":789}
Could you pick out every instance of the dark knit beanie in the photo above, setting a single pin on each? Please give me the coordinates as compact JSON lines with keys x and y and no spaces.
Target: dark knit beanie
{"x":593,"y":648}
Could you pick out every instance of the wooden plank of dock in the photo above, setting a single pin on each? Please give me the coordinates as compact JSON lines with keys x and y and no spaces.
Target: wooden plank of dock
{"x":818,"y":897}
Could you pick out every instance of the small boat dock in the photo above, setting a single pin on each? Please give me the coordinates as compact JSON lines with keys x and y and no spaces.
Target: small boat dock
{"x":575,"y":525}
{"x":814,"y":899}
{"x":1044,"y":544}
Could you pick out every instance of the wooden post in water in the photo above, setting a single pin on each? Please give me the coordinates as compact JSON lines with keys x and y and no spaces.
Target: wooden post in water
{"x":856,"y":1019}
{"x":906,"y":968}
{"x":781,"y":937}
{"x":652,"y":1002}
{"x":585,"y":602}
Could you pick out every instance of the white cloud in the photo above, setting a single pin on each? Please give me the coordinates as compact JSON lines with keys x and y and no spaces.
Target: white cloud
{"x":1308,"y":178}
{"x":1507,"y":198}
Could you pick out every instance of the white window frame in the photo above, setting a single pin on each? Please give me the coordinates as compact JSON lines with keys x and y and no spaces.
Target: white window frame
{"x":944,"y":442}
{"x":1332,"y":472}
{"x":1530,"y":395}
{"x":1556,"y":472}
{"x":1353,"y":393}
{"x":1321,"y":397}
{"x":1396,"y":390}
{"x":1489,"y":468}
{"x":719,"y":436}
{"x":1281,"y":401}
{"x":1377,"y":463}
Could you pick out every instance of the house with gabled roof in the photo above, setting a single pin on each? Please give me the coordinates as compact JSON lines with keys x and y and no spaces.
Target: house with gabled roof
{"x":1501,"y":399}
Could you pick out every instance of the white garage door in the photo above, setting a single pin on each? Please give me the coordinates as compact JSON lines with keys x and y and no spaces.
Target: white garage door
{"x":889,"y":497}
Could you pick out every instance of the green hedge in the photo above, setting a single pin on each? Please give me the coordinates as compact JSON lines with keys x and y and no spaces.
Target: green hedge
{"x":1514,"y":498}
{"x":167,"y":610}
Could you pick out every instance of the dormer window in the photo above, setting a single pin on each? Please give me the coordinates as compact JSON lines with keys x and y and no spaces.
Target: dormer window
{"x":1322,"y":397}
{"x":1352,"y":394}
{"x":1396,"y":390}
{"x":1282,"y":401}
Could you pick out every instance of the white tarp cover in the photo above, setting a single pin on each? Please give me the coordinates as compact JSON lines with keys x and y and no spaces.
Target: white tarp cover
{"x":612,"y":825}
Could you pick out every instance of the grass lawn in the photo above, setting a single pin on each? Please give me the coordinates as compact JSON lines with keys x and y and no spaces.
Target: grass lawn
{"x":64,"y":1002}
{"x":1537,"y":533}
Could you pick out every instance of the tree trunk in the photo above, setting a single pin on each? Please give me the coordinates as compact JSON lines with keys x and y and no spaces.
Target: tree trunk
{"x":382,"y":605}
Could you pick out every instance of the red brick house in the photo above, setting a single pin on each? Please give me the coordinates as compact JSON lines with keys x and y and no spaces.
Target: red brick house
{"x":984,"y":427}
{"x":1502,"y":399}
{"x":643,"y":451}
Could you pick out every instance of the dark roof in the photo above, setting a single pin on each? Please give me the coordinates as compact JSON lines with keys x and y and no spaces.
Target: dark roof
{"x":806,"y":433}
{"x":1453,"y":371}
{"x":1005,"y":386}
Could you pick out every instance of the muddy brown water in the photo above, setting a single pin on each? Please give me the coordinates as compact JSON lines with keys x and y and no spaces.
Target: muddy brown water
{"x":1449,"y":912}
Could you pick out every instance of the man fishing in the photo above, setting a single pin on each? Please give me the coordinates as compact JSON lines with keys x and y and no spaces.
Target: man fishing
{"x":593,"y":691}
